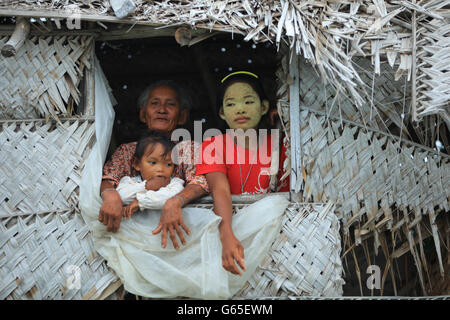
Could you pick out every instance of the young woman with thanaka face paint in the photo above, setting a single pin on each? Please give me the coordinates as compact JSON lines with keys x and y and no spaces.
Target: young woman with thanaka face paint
{"x":242,"y":104}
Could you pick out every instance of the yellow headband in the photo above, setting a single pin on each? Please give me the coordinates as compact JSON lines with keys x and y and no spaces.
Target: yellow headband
{"x":239,"y":72}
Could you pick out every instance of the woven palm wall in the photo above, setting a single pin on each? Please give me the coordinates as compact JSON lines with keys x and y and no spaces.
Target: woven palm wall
{"x":45,"y":246}
{"x":304,"y":260}
{"x":42,"y":79}
{"x":388,"y":190}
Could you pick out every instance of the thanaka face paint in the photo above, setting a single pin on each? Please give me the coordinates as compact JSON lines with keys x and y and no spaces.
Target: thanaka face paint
{"x":242,"y":107}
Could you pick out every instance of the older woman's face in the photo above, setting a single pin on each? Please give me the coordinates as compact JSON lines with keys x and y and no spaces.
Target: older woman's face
{"x":162,"y":111}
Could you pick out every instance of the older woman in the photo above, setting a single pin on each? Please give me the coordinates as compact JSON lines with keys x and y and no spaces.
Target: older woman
{"x":163,"y":107}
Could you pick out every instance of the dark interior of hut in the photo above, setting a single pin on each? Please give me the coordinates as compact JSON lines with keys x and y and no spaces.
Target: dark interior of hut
{"x":131,"y":65}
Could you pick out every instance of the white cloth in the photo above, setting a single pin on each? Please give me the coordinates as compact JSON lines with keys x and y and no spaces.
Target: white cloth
{"x":131,"y":188}
{"x":195,"y":270}
{"x":135,"y":254}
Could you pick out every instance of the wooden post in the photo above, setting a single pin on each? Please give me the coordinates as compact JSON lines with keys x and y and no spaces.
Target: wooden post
{"x":89,"y":89}
{"x":413,"y":68}
{"x":294,"y":120}
{"x":275,"y":155}
{"x":17,"y":39}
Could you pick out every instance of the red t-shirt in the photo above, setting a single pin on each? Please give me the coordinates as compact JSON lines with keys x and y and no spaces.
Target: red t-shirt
{"x":221,"y":154}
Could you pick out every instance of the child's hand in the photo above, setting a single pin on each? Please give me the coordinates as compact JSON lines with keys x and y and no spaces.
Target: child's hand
{"x":128,"y":210}
{"x":156,"y":183}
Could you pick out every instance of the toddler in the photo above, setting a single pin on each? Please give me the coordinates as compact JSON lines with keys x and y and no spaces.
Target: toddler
{"x":154,"y":184}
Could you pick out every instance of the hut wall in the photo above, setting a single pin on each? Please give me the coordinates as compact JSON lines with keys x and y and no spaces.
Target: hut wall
{"x":387,"y":189}
{"x":46,"y":249}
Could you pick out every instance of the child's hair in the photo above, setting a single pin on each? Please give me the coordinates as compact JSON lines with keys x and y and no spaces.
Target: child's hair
{"x":152,"y":138}
{"x":252,"y":80}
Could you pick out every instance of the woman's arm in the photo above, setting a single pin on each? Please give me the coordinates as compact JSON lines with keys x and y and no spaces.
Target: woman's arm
{"x":111,"y":210}
{"x":171,"y":222}
{"x":119,"y":166}
{"x":232,"y":249}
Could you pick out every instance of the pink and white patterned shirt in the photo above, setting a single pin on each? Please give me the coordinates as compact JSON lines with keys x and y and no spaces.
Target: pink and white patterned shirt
{"x":120,"y":164}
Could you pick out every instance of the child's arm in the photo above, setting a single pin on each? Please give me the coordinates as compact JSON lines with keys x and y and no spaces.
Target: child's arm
{"x":128,"y":210}
{"x":232,"y":249}
{"x":128,"y":188}
{"x":151,"y":199}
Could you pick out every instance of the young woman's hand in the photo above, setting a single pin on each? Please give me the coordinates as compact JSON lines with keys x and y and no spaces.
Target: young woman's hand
{"x":128,"y":210}
{"x":232,"y":251}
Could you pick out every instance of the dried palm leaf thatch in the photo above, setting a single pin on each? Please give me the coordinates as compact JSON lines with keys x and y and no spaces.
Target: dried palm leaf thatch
{"x":42,"y":79}
{"x":386,"y":107}
{"x":433,"y":75}
{"x":44,"y":242}
{"x":305,"y":258}
{"x":329,"y":35}
{"x":438,"y":284}
{"x":379,"y":181}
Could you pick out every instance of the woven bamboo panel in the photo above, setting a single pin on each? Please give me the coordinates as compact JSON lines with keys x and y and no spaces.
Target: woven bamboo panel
{"x":433,"y":75}
{"x":50,"y":256}
{"x":42,"y":78}
{"x":46,"y":250}
{"x":366,"y":172}
{"x":379,"y":183}
{"x":305,"y":258}
{"x":41,"y":165}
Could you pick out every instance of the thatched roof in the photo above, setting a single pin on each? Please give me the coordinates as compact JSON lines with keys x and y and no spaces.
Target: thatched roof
{"x":408,"y":41}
